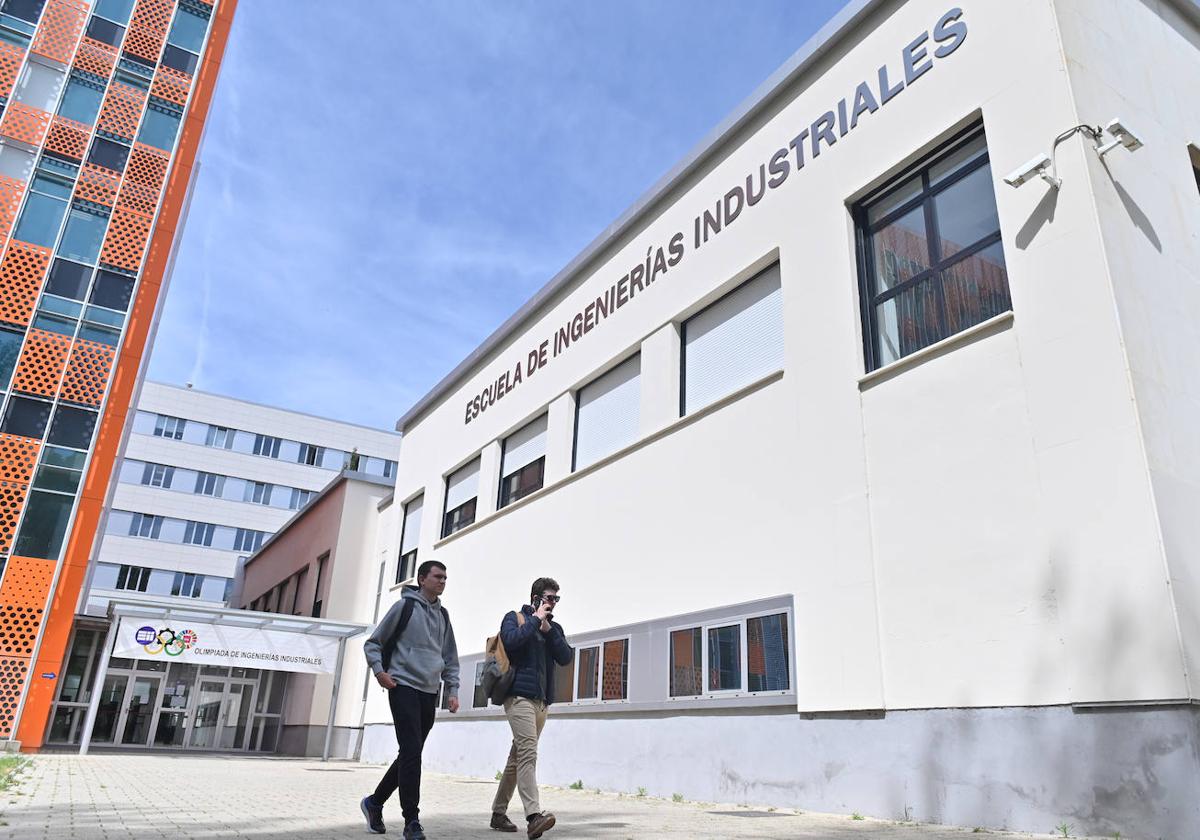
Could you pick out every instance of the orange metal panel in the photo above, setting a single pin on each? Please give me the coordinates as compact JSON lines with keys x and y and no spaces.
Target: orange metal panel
{"x":24,"y":123}
{"x":98,"y":184}
{"x":138,"y":198}
{"x":121,"y":110}
{"x":125,"y":241}
{"x":17,"y":456}
{"x":171,"y":85}
{"x":12,"y":502}
{"x":21,"y":273}
{"x":87,"y":372}
{"x":96,"y":57}
{"x":147,"y":165}
{"x":11,"y":191}
{"x":148,"y":28}
{"x":22,"y":605}
{"x":11,"y":57}
{"x":40,"y":697}
{"x":40,"y":367}
{"x":59,"y":30}
{"x":68,"y":137}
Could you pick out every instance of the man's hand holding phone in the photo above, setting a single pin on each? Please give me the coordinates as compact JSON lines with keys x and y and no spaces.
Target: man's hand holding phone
{"x":543,"y":614}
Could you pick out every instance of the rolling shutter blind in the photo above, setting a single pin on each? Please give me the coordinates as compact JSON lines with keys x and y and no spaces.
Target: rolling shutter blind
{"x":524,"y":446}
{"x":607,"y":413}
{"x":734,"y":342}
{"x":412,"y":524}
{"x":462,"y":485}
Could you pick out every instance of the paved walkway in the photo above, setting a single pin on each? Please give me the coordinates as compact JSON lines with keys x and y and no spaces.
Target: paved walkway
{"x":115,"y":797}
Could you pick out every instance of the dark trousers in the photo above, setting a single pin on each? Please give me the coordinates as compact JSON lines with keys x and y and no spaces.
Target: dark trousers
{"x":412,"y":714}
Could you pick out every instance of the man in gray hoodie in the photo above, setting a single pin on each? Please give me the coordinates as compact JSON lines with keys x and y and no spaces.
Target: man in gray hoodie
{"x":411,"y":652}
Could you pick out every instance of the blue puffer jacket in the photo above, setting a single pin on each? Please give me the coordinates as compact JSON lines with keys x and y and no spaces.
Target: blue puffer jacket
{"x":533,"y":654}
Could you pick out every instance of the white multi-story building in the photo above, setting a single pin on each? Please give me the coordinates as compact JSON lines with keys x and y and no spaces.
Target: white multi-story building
{"x":203,"y":482}
{"x":870,"y":481}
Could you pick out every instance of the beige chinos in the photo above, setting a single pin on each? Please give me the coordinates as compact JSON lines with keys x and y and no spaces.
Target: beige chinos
{"x":526,"y":718}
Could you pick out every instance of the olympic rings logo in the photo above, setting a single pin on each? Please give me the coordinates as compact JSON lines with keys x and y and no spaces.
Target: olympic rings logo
{"x":165,"y":641}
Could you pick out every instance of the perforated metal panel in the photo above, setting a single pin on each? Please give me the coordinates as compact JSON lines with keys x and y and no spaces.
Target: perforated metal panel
{"x":12,"y":502}
{"x":11,"y":57}
{"x":24,"y":123}
{"x":125,"y":241}
{"x":17,"y":457}
{"x":138,"y":197}
{"x":21,"y":273}
{"x":11,"y":191}
{"x":40,"y":366}
{"x":147,"y":166}
{"x":68,"y":137}
{"x":87,"y":372}
{"x":148,"y":28}
{"x":171,"y":85}
{"x":98,"y":184}
{"x":96,"y":57}
{"x":121,"y":111}
{"x":22,"y":604}
{"x":59,"y":29}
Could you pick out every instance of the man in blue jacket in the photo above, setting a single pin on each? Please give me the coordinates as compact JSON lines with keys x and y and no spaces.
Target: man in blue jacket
{"x":534,"y":645}
{"x":411,"y":653}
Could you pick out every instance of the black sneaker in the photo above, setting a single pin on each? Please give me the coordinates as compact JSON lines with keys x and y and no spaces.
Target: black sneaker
{"x":413,"y":831}
{"x":374,"y":815}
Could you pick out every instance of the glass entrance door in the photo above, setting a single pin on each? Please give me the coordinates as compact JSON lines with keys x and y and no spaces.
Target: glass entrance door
{"x":239,"y":701}
{"x":108,"y":713}
{"x":210,"y":702}
{"x":141,"y":704}
{"x":178,"y":686}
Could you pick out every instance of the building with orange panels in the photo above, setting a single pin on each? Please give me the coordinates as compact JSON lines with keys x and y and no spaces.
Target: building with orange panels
{"x":103,"y":106}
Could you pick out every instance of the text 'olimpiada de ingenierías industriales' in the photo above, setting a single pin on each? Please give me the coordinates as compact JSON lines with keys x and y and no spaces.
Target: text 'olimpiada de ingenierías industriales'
{"x":916,"y":59}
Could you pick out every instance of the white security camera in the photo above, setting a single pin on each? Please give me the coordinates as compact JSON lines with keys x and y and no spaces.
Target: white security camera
{"x":1122,"y":135}
{"x":1039,"y":167}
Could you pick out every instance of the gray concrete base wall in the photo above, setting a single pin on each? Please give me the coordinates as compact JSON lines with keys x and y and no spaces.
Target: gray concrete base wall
{"x":309,"y":741}
{"x":1135,"y":770}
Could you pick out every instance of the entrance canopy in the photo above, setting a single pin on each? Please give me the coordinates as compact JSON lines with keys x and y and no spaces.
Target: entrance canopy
{"x":170,"y":631}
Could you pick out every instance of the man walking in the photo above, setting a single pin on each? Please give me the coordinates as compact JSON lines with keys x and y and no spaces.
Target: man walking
{"x":411,"y":652}
{"x":534,"y":643}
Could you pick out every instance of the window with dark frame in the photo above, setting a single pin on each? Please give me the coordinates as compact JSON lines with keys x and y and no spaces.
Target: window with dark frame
{"x":931,"y":263}
{"x":460,"y":510}
{"x":410,"y":536}
{"x":316,"y":608}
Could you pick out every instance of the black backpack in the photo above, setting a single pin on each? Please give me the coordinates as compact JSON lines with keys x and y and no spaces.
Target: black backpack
{"x":405,"y":615}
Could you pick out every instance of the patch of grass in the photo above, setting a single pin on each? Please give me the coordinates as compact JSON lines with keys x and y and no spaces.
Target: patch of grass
{"x":10,"y":768}
{"x":577,"y":784}
{"x":1064,"y":829}
{"x":676,"y":797}
{"x":857,"y":816}
{"x":641,"y":791}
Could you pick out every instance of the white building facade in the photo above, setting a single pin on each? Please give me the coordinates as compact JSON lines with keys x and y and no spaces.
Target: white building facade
{"x":204,"y":480}
{"x":870,"y":481}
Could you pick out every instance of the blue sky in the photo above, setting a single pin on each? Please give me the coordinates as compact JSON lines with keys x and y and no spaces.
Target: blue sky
{"x":383,"y":183}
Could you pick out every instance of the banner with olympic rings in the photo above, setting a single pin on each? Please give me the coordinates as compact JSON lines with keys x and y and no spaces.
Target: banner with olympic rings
{"x":219,"y":644}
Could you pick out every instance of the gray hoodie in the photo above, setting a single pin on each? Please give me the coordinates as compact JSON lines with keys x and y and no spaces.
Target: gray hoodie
{"x":425,"y":654}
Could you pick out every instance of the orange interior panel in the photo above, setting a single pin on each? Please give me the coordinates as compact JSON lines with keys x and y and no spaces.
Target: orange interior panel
{"x":11,"y":57}
{"x":121,"y":110}
{"x":87,"y":372}
{"x":68,"y":137}
{"x":97,"y":184}
{"x":148,"y":28}
{"x":11,"y":191}
{"x":40,"y":367}
{"x":96,"y":57}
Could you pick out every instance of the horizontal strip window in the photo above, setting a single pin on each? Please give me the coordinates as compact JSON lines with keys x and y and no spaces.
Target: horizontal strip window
{"x":268,"y":446}
{"x":151,"y":581}
{"x":183,"y":531}
{"x":214,"y":485}
{"x":733,"y":655}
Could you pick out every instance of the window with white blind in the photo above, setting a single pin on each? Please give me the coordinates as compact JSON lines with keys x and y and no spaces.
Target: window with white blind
{"x":410,"y":536}
{"x":523,"y":462}
{"x":733,"y":343}
{"x":462,"y":491}
{"x":607,"y":412}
